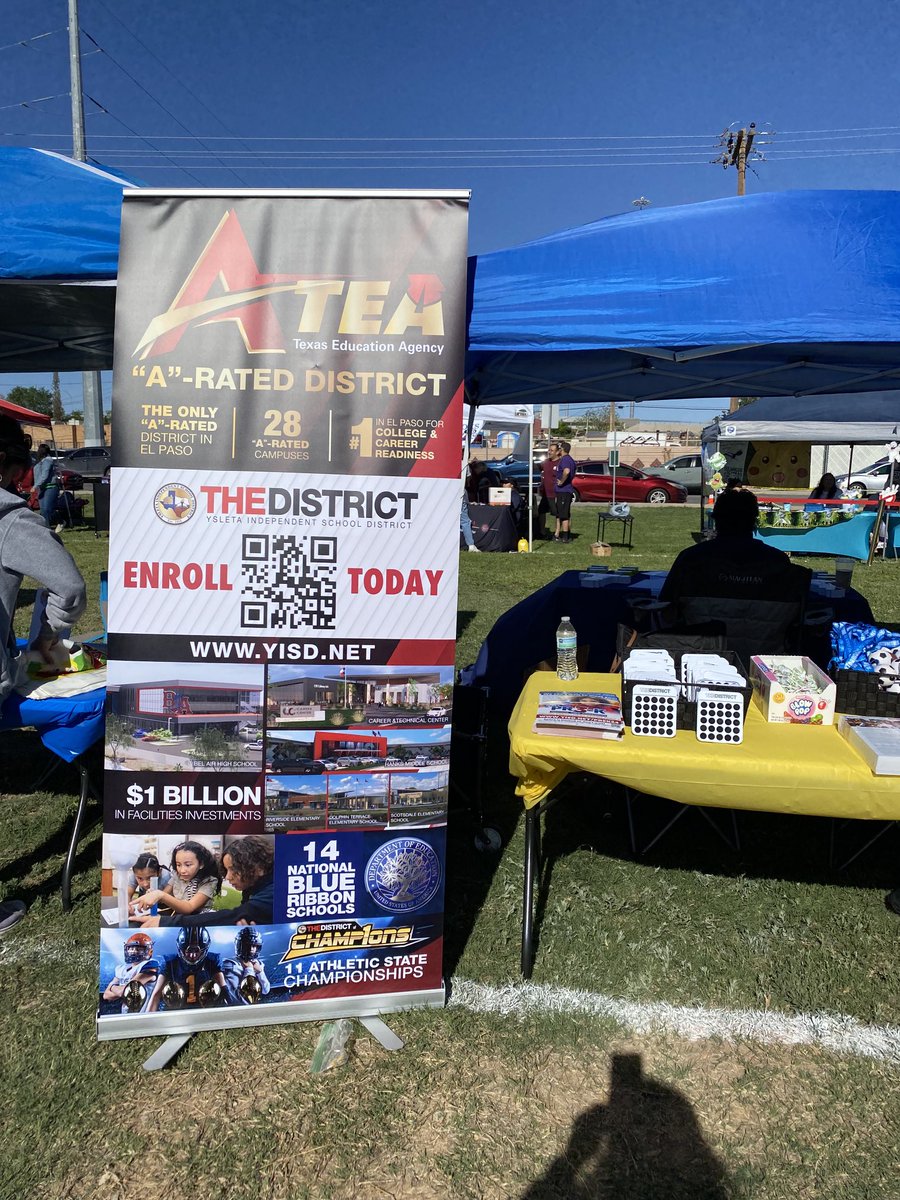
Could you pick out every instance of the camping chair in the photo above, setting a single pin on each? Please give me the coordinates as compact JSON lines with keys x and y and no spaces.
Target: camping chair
{"x":468,"y":740}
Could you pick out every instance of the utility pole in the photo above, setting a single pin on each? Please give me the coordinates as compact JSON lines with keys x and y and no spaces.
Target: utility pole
{"x":91,"y":382}
{"x":736,"y":150}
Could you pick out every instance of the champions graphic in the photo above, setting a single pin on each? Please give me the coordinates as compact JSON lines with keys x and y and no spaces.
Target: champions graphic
{"x":283,"y":564}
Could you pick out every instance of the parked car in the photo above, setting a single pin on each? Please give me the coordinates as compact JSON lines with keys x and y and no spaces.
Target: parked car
{"x":686,"y":469}
{"x":89,"y":461}
{"x":284,"y":764}
{"x":70,"y":481}
{"x":872,"y":479}
{"x":593,"y":482}
{"x":515,"y":470}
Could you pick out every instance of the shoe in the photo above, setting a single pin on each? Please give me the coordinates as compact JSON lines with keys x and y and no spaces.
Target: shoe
{"x":11,"y":913}
{"x":60,"y":527}
{"x":892,"y":901}
{"x":474,"y":550}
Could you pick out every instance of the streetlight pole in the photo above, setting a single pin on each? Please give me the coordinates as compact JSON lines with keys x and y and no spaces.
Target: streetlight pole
{"x":91,"y":383}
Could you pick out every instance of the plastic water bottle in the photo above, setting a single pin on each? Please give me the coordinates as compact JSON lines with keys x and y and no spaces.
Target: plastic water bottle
{"x":566,"y":650}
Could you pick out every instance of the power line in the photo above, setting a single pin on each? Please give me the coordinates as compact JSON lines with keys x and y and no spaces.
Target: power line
{"x":26,"y":42}
{"x":168,"y":70}
{"x":155,"y":100}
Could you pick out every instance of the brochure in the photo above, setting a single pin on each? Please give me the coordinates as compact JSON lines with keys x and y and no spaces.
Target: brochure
{"x":579,"y":714}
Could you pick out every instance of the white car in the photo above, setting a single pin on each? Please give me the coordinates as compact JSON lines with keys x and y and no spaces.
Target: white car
{"x":870,"y":481}
{"x":437,"y":712}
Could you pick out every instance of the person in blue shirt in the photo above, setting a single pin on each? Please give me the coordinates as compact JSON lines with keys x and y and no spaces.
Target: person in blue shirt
{"x":565,"y":491}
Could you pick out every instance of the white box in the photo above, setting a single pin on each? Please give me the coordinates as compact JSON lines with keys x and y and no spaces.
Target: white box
{"x":500,"y":495}
{"x":876,"y":739}
{"x":792,"y":707}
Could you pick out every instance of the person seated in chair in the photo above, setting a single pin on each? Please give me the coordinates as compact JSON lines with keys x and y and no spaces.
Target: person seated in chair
{"x":754,"y":590}
{"x":480,"y":480}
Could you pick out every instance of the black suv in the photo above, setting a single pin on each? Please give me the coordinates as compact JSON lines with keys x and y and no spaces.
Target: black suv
{"x":89,"y":461}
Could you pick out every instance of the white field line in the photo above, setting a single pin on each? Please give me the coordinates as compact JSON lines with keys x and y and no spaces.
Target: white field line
{"x":830,"y":1031}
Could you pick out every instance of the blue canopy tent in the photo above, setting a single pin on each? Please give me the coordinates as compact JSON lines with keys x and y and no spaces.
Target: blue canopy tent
{"x":788,"y":293}
{"x":59,"y":251}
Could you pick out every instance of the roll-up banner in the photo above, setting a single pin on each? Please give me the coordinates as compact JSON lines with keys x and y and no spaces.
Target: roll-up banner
{"x":284,"y":538}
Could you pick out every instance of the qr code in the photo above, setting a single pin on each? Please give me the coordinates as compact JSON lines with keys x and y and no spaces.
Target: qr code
{"x":289,"y":582}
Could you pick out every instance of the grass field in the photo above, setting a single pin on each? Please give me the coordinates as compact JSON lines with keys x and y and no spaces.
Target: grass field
{"x":543,"y":1105}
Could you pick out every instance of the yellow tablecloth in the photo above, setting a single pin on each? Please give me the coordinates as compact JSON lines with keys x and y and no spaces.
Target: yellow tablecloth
{"x":802,"y":769}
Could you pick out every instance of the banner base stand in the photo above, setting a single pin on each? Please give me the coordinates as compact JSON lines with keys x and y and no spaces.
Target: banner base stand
{"x":163,"y":1055}
{"x":382,"y":1033}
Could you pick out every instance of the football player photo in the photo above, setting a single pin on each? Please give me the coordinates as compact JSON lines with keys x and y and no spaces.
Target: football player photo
{"x":135,"y":978}
{"x":192,"y":976}
{"x":245,"y":974}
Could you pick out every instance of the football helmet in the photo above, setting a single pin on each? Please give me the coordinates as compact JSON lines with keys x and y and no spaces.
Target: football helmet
{"x":193,"y":944}
{"x":138,"y":948}
{"x":247,"y":943}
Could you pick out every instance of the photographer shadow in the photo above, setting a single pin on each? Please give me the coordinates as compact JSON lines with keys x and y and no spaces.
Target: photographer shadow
{"x":644,"y":1142}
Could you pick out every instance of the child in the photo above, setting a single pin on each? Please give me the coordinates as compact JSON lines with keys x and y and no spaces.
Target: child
{"x":146,"y":868}
{"x":195,"y":880}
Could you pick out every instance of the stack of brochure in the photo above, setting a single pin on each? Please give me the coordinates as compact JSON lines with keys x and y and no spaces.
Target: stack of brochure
{"x":876,"y":739}
{"x":579,"y":714}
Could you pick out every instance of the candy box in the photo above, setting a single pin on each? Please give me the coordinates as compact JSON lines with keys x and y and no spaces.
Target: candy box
{"x":791,"y":690}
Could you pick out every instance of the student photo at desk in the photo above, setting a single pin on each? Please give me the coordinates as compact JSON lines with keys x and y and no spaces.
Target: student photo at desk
{"x":752,"y":589}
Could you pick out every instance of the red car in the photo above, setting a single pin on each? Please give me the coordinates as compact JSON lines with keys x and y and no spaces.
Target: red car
{"x":593,"y":481}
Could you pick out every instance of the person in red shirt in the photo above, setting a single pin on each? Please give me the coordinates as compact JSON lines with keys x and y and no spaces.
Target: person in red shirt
{"x":547,"y":503}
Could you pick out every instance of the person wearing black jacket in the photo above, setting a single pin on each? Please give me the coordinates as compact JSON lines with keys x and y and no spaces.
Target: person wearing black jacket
{"x":752,"y":588}
{"x":248,"y":863}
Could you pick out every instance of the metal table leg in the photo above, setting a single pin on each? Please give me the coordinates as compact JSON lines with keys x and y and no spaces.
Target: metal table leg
{"x":76,"y":836}
{"x":532,"y":871}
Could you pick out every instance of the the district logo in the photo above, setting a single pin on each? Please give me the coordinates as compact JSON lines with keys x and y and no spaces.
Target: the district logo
{"x":403,"y":874}
{"x":174,"y":503}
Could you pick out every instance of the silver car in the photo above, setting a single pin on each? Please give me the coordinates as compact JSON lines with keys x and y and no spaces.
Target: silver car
{"x":686,"y":469}
{"x":871,"y":480}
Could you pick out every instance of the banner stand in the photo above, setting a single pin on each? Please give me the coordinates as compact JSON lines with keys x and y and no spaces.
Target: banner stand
{"x":283,"y":562}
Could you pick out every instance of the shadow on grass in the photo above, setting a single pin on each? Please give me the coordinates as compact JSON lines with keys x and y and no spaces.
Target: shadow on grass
{"x":464,"y":619}
{"x":28,"y":769}
{"x":644,"y":1143}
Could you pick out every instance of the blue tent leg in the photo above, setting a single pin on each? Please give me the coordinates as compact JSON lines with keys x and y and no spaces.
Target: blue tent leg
{"x":76,"y":835}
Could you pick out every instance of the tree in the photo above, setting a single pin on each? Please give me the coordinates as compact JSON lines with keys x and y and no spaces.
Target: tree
{"x":211,"y":748}
{"x":118,"y":735}
{"x":38,"y":399}
{"x":57,"y":411}
{"x":76,"y":415}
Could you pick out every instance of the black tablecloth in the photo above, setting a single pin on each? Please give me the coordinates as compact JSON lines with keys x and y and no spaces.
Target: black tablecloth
{"x":494,"y":527}
{"x":596,"y":603}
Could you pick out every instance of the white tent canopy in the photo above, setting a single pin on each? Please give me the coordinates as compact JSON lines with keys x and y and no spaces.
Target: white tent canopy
{"x":869,"y":418}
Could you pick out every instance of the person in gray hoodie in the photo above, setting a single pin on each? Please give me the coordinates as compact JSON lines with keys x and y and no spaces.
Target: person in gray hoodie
{"x":28,"y":547}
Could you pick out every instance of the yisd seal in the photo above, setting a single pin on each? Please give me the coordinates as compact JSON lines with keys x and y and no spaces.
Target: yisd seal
{"x":403,"y":874}
{"x":174,"y":503}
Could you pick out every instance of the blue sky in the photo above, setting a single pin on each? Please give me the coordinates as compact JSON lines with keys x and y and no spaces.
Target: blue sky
{"x":552,"y":115}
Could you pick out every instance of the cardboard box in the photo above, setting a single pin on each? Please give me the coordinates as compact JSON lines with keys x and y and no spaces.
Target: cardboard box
{"x":600,"y":549}
{"x":786,"y":706}
{"x":499,"y":495}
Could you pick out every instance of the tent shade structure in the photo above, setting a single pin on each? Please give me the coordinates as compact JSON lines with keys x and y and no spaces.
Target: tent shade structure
{"x":820,"y":420}
{"x":789,"y":293}
{"x":59,"y":252}
{"x":26,"y":416}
